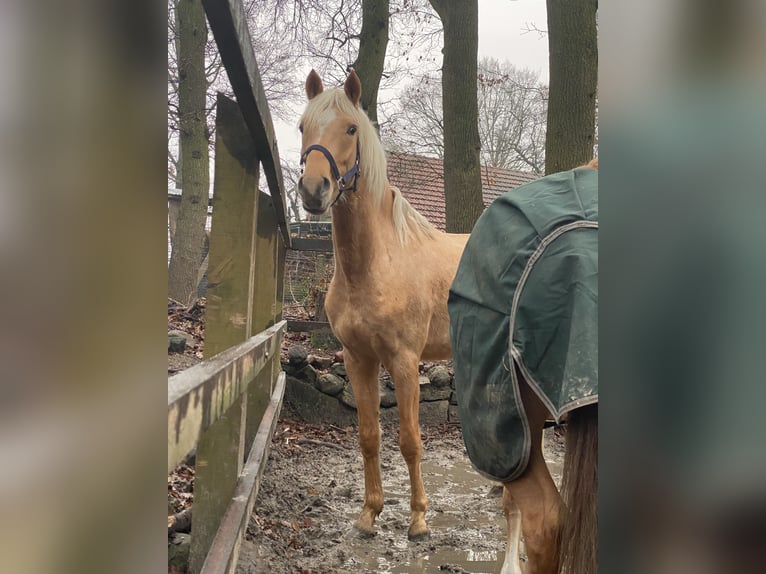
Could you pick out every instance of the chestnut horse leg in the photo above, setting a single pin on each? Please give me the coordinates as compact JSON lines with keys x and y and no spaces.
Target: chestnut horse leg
{"x":404,"y":372}
{"x":363,"y":375}
{"x":512,"y":563}
{"x":536,"y":495}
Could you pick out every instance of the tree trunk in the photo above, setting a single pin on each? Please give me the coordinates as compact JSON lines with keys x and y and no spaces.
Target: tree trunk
{"x":190,"y":226}
{"x":573,"y":57}
{"x":462,"y":167}
{"x":373,"y":41}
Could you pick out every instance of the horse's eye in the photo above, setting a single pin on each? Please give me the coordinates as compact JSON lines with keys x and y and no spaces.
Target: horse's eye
{"x":300,"y":128}
{"x":351,"y":130}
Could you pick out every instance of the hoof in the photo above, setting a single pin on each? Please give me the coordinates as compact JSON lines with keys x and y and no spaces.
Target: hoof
{"x":418,"y":535}
{"x":363,"y":531}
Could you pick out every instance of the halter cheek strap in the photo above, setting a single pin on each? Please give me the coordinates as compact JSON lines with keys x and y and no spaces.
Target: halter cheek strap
{"x":343,"y":182}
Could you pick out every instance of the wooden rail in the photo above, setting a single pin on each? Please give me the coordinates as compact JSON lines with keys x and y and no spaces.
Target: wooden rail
{"x":229,"y":26}
{"x":323,"y":245}
{"x":198,"y":396}
{"x":295,"y":326}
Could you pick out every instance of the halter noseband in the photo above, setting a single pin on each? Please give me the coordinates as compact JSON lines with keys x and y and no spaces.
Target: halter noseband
{"x":343,"y":182}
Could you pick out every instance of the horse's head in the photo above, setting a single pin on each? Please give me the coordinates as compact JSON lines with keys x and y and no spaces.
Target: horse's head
{"x":330,"y":157}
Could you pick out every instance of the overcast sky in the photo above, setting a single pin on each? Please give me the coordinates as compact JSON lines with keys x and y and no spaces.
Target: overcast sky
{"x":502,"y":36}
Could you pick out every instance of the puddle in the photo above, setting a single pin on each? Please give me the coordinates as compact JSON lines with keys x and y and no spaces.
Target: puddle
{"x":462,"y":518}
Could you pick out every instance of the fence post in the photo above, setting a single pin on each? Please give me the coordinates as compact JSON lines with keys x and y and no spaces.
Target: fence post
{"x":262,"y":312}
{"x":221,"y":448}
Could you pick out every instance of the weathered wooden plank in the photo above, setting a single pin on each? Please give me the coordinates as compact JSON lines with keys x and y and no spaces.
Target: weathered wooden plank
{"x":229,"y":287}
{"x":324,"y":245}
{"x":217,"y":467}
{"x":221,"y":448}
{"x":264,"y":284}
{"x":229,"y":25}
{"x":262,"y":309}
{"x":280,"y":271}
{"x":198,"y":396}
{"x":258,"y":396}
{"x":306,"y":326}
{"x":224,"y":550}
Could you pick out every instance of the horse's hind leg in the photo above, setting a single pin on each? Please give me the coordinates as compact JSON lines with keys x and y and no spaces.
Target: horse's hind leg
{"x":536,"y":495}
{"x":405,"y":374}
{"x":363,"y":375}
{"x":512,"y":562}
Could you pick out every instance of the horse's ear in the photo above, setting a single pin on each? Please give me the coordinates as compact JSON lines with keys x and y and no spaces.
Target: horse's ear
{"x":314,"y":85}
{"x":353,"y":88}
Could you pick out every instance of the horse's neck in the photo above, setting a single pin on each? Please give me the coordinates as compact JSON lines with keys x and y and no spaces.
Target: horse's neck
{"x":361,"y":227}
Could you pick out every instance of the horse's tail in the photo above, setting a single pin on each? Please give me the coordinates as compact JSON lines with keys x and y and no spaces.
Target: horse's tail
{"x":579,"y":523}
{"x":593,"y":164}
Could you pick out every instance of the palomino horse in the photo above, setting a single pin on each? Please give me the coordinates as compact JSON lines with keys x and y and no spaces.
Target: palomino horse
{"x":387,"y":301}
{"x":524,"y":317}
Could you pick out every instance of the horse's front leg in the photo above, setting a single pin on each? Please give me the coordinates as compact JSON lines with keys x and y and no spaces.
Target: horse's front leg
{"x":404,"y":371}
{"x":363,"y":375}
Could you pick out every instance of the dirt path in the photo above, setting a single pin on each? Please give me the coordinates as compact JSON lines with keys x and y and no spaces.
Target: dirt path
{"x":312,"y":492}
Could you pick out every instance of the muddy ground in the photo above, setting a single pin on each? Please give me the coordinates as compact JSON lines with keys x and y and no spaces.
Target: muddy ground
{"x":313,"y":489}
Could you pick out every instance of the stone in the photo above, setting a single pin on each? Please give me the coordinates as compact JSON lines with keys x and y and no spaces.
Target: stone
{"x":386,"y":381}
{"x":308,"y":374}
{"x":387,"y":398}
{"x":178,"y":333}
{"x":330,"y":384}
{"x":452,"y":414}
{"x":319,"y":362}
{"x":439,"y":376}
{"x":297,"y":356}
{"x":304,"y":402}
{"x":178,"y":552}
{"x":339,"y":370}
{"x":347,"y":396}
{"x":176,"y":344}
{"x":429,"y":393}
{"x":434,"y":413}
{"x":453,"y":398}
{"x":389,"y":415}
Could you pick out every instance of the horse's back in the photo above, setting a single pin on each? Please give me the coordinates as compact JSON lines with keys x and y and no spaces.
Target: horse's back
{"x":526,"y":294}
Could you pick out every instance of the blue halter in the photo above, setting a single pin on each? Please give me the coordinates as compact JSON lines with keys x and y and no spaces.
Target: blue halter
{"x":343,"y":182}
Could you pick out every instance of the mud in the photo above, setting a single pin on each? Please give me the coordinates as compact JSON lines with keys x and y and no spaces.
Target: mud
{"x":313,"y":488}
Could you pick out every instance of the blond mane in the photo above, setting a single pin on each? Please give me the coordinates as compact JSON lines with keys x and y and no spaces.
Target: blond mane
{"x":408,"y":222}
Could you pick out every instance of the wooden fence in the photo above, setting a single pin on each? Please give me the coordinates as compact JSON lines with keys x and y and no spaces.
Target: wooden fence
{"x":227,"y":406}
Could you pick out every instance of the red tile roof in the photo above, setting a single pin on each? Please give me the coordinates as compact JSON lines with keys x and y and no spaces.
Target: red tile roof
{"x":421,"y":181}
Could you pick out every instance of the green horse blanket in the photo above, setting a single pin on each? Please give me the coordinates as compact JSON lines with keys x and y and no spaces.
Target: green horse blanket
{"x":526,"y":294}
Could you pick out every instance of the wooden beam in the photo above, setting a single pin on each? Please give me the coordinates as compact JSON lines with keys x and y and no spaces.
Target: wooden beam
{"x":229,"y":25}
{"x":198,"y":396}
{"x":230,"y":269}
{"x":222,"y":448}
{"x":305,"y":326}
{"x":324,"y":245}
{"x":262,"y":310}
{"x":280,"y":272}
{"x":218,"y":464}
{"x":224,"y":551}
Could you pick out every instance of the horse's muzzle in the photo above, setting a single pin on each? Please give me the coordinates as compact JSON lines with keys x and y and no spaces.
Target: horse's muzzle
{"x":315,"y":194}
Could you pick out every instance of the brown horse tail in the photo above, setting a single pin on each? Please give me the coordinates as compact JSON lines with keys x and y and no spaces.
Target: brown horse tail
{"x":579,"y":488}
{"x":593,"y":164}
